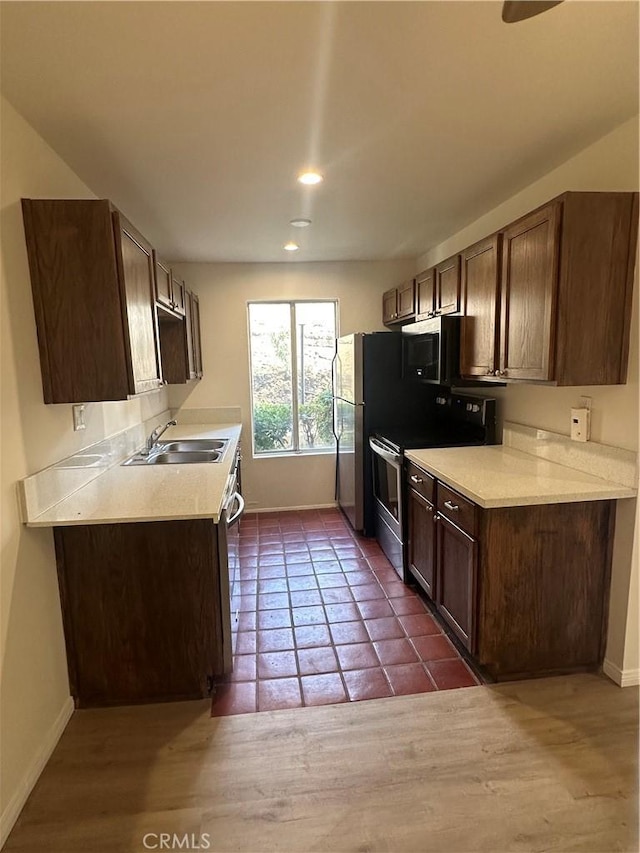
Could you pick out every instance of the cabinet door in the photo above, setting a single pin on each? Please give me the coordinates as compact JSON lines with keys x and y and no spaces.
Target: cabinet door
{"x":422,"y":542}
{"x":177,"y":294}
{"x":137,"y":286}
{"x":480,"y":305}
{"x":425,"y":294}
{"x":529,"y":290}
{"x":163,"y":283}
{"x":197,"y":337}
{"x":389,"y":305}
{"x":406,"y":300}
{"x":456,"y":580}
{"x":447,"y":286}
{"x":75,"y":282}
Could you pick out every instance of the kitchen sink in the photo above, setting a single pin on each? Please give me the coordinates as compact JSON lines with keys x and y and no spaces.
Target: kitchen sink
{"x":163,"y":456}
{"x":187,"y":444}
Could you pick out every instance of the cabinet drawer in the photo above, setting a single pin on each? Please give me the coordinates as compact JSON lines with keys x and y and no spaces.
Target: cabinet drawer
{"x":457,"y":509}
{"x":422,"y":482}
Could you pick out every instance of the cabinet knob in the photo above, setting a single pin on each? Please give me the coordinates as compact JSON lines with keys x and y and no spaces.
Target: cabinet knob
{"x":429,"y":509}
{"x":501,"y":372}
{"x":415,"y":479}
{"x":490,"y":371}
{"x":451,"y":506}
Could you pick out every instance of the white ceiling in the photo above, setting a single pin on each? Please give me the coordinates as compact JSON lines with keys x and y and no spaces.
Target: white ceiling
{"x":195,"y":117}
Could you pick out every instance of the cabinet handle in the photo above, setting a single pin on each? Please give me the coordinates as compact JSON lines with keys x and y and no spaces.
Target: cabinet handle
{"x":429,"y":509}
{"x":451,"y":506}
{"x":415,"y":479}
{"x":489,"y":372}
{"x":501,"y":373}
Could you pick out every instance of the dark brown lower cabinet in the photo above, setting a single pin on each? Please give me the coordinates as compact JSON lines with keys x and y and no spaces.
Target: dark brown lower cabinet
{"x":544,"y":574}
{"x":457,"y":562}
{"x":142,"y":610}
{"x":527,"y":594}
{"x":422,"y":542}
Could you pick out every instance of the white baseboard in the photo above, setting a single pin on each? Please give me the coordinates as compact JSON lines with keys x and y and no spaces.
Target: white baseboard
{"x":292,"y":508}
{"x":622,"y":677}
{"x":15,"y":805}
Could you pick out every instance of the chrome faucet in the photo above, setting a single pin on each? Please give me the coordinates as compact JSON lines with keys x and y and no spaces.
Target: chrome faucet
{"x":155,"y":435}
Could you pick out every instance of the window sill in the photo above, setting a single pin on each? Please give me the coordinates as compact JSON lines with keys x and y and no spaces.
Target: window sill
{"x":294,"y":454}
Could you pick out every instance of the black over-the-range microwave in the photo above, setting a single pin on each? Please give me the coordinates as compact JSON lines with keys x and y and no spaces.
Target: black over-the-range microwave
{"x":431,"y":351}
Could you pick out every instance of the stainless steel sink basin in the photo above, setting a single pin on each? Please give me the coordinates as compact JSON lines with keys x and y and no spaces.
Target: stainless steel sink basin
{"x":163,"y":456}
{"x":186,"y":444}
{"x":182,"y":457}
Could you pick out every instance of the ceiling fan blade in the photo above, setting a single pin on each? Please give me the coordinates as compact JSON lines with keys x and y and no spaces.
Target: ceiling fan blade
{"x":520,"y":10}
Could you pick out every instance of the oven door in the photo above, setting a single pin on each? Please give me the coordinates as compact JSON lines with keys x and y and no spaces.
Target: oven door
{"x":387,"y":473}
{"x":387,"y":490}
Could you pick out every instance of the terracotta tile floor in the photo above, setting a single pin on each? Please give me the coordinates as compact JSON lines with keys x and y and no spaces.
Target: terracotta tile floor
{"x":323,"y":618}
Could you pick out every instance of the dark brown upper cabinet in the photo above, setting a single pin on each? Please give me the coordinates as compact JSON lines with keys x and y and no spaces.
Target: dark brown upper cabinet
{"x":93,"y":282}
{"x":163,"y":283}
{"x":480,"y":307}
{"x":180,"y":341}
{"x":425,"y":294}
{"x":567,"y":281}
{"x":169,"y":288}
{"x":389,"y":306}
{"x":447,"y":286}
{"x":398,"y":304}
{"x":529,"y":293}
{"x":177,"y":294}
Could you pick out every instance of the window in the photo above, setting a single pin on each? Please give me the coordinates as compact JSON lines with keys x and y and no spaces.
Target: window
{"x":292,"y":345}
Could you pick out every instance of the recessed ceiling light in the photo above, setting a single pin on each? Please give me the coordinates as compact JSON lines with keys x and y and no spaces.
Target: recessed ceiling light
{"x":310,"y":178}
{"x":300,"y":223}
{"x":291,"y":247}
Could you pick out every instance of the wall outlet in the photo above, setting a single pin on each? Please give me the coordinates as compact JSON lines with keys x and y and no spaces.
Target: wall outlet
{"x":580,"y":424}
{"x":78,"y":417}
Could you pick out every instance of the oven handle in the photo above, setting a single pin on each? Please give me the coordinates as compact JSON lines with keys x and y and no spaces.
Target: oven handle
{"x":390,"y":456}
{"x":235,"y":518}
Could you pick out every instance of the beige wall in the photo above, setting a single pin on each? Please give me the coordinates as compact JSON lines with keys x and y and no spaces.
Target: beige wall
{"x":34,"y":686}
{"x":609,"y":164}
{"x":224,"y":290}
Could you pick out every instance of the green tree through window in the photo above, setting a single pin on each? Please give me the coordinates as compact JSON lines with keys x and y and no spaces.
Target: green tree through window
{"x":292,"y":345}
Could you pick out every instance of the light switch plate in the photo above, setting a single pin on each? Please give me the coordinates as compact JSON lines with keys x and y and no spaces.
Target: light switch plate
{"x":78,"y":417}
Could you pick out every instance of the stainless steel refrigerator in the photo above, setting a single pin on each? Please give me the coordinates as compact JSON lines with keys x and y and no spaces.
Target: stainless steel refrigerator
{"x":369,"y":394}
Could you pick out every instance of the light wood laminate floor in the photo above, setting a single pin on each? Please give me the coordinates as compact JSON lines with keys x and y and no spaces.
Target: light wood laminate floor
{"x":546,"y":765}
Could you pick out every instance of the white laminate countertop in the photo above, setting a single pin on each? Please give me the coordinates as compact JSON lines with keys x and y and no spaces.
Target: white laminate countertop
{"x":128,"y":493}
{"x":499,"y":476}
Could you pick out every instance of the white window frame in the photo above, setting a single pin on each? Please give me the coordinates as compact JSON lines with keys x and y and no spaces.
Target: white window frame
{"x":296,"y":450}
